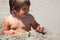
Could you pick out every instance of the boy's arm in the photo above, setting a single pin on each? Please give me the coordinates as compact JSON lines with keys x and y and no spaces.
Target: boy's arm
{"x":36,"y":26}
{"x":6,"y":27}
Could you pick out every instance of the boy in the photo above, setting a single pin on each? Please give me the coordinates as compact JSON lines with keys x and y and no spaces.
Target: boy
{"x":19,"y":21}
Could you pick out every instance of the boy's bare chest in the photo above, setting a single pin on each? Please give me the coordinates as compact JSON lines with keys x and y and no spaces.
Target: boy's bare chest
{"x":20,"y":24}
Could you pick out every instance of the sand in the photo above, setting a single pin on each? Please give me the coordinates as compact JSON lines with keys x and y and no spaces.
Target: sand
{"x":50,"y":34}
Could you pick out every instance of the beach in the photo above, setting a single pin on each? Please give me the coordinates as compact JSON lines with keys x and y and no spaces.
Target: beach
{"x":45,"y":12}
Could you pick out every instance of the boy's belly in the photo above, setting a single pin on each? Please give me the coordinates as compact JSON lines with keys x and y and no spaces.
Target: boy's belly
{"x":20,"y":31}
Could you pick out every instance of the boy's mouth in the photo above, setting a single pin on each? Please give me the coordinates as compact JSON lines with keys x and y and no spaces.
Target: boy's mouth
{"x":24,"y":15}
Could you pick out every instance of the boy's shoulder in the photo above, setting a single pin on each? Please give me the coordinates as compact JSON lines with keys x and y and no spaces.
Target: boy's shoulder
{"x":8,"y":18}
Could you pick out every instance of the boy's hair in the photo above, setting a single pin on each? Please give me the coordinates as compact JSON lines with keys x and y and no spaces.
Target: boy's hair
{"x":17,"y":4}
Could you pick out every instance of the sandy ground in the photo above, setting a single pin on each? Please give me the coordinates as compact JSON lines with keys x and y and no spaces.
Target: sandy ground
{"x":46,"y":12}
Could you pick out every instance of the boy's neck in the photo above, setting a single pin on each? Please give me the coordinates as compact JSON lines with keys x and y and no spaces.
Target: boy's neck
{"x":19,"y":16}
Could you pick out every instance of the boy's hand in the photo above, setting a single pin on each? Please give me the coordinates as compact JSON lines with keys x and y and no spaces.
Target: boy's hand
{"x":40,"y":28}
{"x":11,"y":31}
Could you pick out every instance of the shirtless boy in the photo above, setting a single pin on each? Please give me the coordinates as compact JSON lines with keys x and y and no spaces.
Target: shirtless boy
{"x":20,"y":21}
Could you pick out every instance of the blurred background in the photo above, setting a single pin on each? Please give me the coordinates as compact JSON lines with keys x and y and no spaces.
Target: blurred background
{"x":45,"y":12}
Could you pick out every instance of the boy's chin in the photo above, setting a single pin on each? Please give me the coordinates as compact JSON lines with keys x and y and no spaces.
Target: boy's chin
{"x":23,"y":16}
